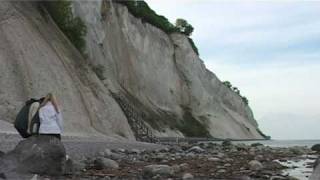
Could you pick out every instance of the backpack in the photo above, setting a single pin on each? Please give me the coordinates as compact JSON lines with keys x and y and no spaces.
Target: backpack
{"x":21,"y":122}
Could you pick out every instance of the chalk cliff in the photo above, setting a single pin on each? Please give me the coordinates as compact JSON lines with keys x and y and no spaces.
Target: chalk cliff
{"x":157,"y":73}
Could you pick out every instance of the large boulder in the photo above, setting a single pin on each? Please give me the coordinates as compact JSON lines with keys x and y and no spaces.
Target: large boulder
{"x":316,"y":172}
{"x":153,"y":170}
{"x":255,"y":165}
{"x":316,"y":147}
{"x":1,"y":154}
{"x":104,"y":163}
{"x":38,"y":155}
{"x":196,"y":149}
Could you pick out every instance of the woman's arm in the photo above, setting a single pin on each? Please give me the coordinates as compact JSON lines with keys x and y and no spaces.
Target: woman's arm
{"x":60,"y":122}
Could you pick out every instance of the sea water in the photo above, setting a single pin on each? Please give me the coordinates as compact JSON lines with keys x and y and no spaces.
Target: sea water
{"x":297,"y":168}
{"x":283,"y":143}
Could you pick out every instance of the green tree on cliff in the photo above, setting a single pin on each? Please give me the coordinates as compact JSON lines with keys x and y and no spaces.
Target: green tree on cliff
{"x":227,"y":83}
{"x":184,"y":27}
{"x":245,"y":100}
{"x":73,"y":27}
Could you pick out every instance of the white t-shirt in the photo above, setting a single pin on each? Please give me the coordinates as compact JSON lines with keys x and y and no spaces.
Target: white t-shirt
{"x":50,"y":120}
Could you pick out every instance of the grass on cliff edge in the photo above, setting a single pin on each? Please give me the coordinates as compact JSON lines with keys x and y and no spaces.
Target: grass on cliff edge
{"x":141,"y":9}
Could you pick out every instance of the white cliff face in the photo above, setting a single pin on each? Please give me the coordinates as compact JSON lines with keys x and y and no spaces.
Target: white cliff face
{"x":158,"y":73}
{"x":36,"y":58}
{"x":161,"y":71}
{"x":226,"y":113}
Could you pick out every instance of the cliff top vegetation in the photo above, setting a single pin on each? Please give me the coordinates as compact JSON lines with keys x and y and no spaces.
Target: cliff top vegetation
{"x":141,"y":9}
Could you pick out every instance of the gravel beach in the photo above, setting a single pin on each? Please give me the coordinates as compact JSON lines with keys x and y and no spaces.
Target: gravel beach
{"x":77,"y":147}
{"x":110,"y":158}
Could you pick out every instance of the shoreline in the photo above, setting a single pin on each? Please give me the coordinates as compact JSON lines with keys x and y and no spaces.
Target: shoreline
{"x":218,"y":159}
{"x":205,"y":160}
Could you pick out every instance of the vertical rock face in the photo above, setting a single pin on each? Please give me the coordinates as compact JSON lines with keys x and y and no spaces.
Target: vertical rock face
{"x":36,"y":58}
{"x":162,"y":72}
{"x":157,"y":73}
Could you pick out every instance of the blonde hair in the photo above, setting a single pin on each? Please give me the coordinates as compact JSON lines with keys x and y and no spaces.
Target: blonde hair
{"x":50,"y":97}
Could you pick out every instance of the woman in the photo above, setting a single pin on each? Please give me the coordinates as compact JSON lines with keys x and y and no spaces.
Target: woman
{"x":50,"y":117}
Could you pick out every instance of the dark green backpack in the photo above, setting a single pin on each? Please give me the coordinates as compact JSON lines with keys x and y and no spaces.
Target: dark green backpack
{"x":21,"y":122}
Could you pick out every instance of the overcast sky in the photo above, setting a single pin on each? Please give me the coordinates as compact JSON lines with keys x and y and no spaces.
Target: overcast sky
{"x":270,"y":50}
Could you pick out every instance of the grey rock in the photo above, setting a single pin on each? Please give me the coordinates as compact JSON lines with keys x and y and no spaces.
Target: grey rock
{"x":176,"y":168}
{"x":121,"y":150}
{"x":277,"y":178}
{"x":191,"y":155}
{"x":242,"y":178}
{"x":37,"y":154}
{"x":161,"y":156}
{"x":214,"y":159}
{"x":255,"y":165}
{"x":316,"y":148}
{"x":227,"y":143}
{"x":114,"y":156}
{"x":152,"y":170}
{"x":16,"y":176}
{"x":221,"y":171}
{"x":316,"y":172}
{"x":184,"y":166}
{"x":296,"y":150}
{"x":229,"y":160}
{"x":78,"y":166}
{"x":104,"y":163}
{"x":259,"y":157}
{"x":196,"y":149}
{"x":220,"y":155}
{"x":35,"y":177}
{"x":100,"y":154}
{"x":252,"y":151}
{"x":1,"y":154}
{"x":187,"y":176}
{"x":256,"y":144}
{"x":164,"y":161}
{"x":107,"y":152}
{"x":163,"y":150}
{"x":135,"y":151}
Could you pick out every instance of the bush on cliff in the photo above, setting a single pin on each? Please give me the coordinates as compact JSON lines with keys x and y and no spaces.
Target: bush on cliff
{"x":140,"y":9}
{"x":245,"y":100}
{"x":184,"y":27}
{"x":236,"y":90}
{"x":73,"y":27}
{"x":194,"y":47}
{"x":191,"y":127}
